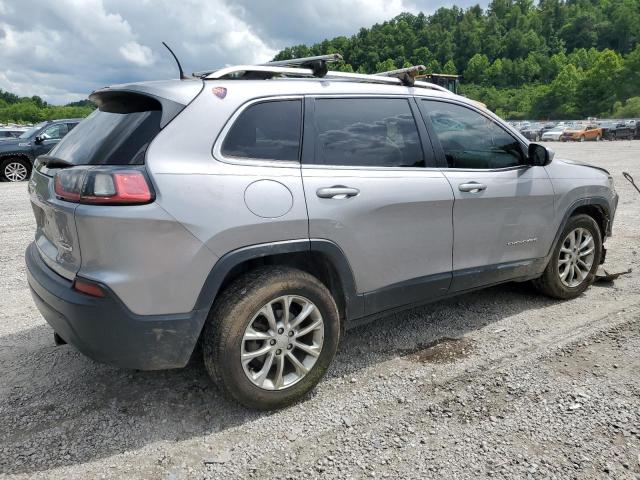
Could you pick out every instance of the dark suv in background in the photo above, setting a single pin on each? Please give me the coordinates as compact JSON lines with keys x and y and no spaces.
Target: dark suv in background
{"x":17,"y":154}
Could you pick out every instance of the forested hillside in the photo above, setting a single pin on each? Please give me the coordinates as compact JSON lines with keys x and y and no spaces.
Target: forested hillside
{"x":33,"y":109}
{"x":552,"y":59}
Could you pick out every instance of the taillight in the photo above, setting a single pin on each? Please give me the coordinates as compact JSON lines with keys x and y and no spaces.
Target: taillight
{"x":87,"y":287}
{"x":103,"y":186}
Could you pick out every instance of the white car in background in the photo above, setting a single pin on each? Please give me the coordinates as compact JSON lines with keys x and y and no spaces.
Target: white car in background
{"x":553,"y":134}
{"x":11,"y":132}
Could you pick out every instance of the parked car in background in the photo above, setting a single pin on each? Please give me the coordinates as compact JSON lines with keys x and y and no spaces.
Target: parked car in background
{"x":581,"y":134}
{"x":18,"y":154}
{"x":263,"y":250}
{"x":533,"y":133}
{"x":552,"y":135}
{"x":11,"y":132}
{"x":617,"y":130}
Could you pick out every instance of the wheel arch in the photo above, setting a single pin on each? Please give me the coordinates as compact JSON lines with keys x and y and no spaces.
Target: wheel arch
{"x":17,"y":155}
{"x":319,"y":257}
{"x":596,"y":207}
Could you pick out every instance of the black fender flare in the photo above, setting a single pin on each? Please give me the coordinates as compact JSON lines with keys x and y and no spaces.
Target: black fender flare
{"x":354,"y":303}
{"x":601,"y":202}
{"x":22,"y":155}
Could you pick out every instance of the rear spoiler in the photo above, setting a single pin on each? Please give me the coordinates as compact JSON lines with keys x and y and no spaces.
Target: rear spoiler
{"x":130,"y":101}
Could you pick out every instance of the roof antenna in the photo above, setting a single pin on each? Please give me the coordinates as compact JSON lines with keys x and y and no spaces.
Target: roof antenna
{"x":182,"y":75}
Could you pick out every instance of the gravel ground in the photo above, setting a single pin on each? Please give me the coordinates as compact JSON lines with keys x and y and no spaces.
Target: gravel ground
{"x":499,"y":383}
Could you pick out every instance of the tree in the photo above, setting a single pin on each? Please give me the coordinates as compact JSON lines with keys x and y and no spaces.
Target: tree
{"x":596,"y":91}
{"x":450,"y":68}
{"x":476,"y":71}
{"x":496,"y":72}
{"x":629,"y":110}
{"x":629,"y":85}
{"x":434,"y":66}
{"x":385,"y":66}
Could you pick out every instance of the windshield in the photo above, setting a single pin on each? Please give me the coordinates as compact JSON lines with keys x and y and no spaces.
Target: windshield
{"x":32,"y":131}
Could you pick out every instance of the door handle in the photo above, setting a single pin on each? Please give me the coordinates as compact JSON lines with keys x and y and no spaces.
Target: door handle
{"x":472,"y":187}
{"x":337,"y":192}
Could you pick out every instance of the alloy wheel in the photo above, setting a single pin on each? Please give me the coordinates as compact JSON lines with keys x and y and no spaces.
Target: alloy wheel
{"x":576,"y":257}
{"x":15,"y":172}
{"x":282,"y":342}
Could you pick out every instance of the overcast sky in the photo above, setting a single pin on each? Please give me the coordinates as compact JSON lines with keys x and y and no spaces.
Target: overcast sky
{"x":61,"y":50}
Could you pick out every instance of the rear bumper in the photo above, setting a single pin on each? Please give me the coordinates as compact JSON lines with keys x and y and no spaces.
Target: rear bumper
{"x":105,"y":330}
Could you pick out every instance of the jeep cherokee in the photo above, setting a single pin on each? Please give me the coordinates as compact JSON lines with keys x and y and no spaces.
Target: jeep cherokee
{"x":258,"y":211}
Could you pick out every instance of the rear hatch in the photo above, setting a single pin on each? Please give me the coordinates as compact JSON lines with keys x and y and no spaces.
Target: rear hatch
{"x":115,"y":138}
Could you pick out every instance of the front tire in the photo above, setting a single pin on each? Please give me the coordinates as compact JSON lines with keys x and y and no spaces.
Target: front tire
{"x":15,"y":169}
{"x":574,"y":260}
{"x":271,"y":337}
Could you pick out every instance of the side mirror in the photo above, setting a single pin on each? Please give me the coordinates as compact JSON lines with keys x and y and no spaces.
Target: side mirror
{"x":39,"y":139}
{"x":539,"y":155}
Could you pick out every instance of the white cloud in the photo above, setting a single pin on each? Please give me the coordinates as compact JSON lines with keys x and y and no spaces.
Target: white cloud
{"x":63,"y":50}
{"x":137,"y":54}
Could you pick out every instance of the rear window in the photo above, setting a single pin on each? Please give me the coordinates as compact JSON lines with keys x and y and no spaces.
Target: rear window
{"x":266,"y":131}
{"x":117,"y":133}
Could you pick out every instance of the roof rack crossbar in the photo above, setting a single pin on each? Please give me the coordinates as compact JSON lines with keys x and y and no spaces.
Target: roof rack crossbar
{"x":333,"y":57}
{"x":406,"y":75}
{"x":318,"y":63}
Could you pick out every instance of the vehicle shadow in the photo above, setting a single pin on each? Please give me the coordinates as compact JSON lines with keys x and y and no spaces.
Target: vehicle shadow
{"x":59,"y":408}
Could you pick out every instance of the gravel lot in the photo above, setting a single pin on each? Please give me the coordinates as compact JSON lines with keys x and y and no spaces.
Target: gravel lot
{"x":501,"y":383}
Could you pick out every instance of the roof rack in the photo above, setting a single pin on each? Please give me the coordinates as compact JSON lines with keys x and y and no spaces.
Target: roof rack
{"x":332,"y":57}
{"x":317,"y":67}
{"x":317,"y":64}
{"x":406,"y":75}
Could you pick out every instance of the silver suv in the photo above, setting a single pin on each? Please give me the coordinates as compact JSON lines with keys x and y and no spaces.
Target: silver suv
{"x":257,"y":211}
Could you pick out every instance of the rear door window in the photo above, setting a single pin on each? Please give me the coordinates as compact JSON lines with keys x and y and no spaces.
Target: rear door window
{"x":268,"y":130}
{"x":366,"y":132}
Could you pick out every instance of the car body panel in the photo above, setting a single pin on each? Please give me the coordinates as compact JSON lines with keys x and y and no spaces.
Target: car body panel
{"x":505,"y":222}
{"x":573,"y":182}
{"x":407,"y":212}
{"x":56,"y":236}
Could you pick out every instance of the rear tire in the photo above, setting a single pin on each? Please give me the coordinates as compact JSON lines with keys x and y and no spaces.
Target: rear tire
{"x":273,"y":379}
{"x":551,"y":282}
{"x":15,"y":169}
